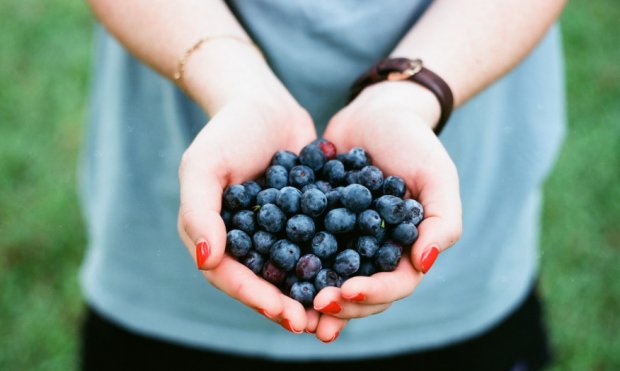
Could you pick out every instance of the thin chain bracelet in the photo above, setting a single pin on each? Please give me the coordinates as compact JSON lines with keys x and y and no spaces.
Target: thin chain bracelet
{"x":178,"y":74}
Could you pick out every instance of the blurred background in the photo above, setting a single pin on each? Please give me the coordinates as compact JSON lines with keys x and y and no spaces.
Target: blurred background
{"x":45,"y":58}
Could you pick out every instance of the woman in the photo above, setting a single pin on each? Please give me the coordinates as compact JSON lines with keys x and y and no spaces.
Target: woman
{"x":148,"y":306}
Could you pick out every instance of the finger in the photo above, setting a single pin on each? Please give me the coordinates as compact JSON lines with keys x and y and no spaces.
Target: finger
{"x":329,"y":301}
{"x":382,"y":287}
{"x":237,"y":281}
{"x":200,"y":226}
{"x":329,"y":328}
{"x":312,"y":318}
{"x":293,"y":315}
{"x":438,"y":191}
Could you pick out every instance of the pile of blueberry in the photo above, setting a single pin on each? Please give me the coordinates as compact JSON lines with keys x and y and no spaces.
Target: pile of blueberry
{"x":316,"y":219}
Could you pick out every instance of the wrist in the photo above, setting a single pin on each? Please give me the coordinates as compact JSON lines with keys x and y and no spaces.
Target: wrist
{"x":223,"y":71}
{"x":399,"y":95}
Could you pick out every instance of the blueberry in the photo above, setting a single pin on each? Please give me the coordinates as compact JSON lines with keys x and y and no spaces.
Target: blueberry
{"x":391,"y":208}
{"x":236,"y":198}
{"x":324,"y":245}
{"x":238,"y":243}
{"x":313,"y":202}
{"x":289,"y":200}
{"x":245,"y":221}
{"x":371,"y":177}
{"x":271,"y":218}
{"x":301,"y":175}
{"x":312,"y":156}
{"x":340,"y":220}
{"x":252,"y":188}
{"x":254,"y":260}
{"x":369,"y":222}
{"x":367,"y":268}
{"x":347,"y":262}
{"x":284,"y":254}
{"x":323,"y":186}
{"x":388,"y":257}
{"x":367,"y":246}
{"x":327,"y":277}
{"x":394,"y":186}
{"x":356,"y":197}
{"x":334,"y":171}
{"x":263,"y":241}
{"x":272,"y":273}
{"x":333,"y":199}
{"x":276,"y":177}
{"x":352,"y":177}
{"x":308,"y":266}
{"x":356,"y":158}
{"x":226,"y":217}
{"x":287,"y":159}
{"x":404,"y":233}
{"x":267,"y":196}
{"x":300,"y":228}
{"x":303,"y":292}
{"x":414,"y":211}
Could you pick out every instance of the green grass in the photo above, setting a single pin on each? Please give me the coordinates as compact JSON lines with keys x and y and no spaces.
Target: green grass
{"x":44,"y":65}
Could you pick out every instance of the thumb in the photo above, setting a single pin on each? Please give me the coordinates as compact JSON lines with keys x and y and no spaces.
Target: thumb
{"x":442,"y":223}
{"x":200,"y":225}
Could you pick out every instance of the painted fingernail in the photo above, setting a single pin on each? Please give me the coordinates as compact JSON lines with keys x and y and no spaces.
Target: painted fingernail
{"x":332,"y":339}
{"x":309,"y":332}
{"x":264,"y":313}
{"x":358,"y":297}
{"x":428,"y":258}
{"x":331,"y":308}
{"x":287,"y":325}
{"x":202,"y":253}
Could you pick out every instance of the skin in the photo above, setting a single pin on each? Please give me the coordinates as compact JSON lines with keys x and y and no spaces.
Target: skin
{"x":470,"y":44}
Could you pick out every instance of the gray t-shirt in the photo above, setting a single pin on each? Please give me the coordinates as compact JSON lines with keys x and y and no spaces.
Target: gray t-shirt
{"x":138,"y":274}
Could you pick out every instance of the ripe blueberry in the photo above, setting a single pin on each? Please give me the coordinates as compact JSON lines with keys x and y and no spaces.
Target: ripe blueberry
{"x":300,"y":228}
{"x":238,"y":243}
{"x":276,"y":177}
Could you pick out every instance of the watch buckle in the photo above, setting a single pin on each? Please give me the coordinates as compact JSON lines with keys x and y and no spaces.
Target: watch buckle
{"x":413,"y":68}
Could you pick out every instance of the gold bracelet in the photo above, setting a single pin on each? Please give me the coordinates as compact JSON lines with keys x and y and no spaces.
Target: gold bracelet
{"x":178,"y":74}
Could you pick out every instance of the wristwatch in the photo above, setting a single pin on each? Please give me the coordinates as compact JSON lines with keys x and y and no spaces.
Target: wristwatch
{"x":400,"y":69}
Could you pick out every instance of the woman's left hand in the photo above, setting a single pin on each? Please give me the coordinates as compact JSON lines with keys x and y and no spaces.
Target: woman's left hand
{"x":392,"y":121}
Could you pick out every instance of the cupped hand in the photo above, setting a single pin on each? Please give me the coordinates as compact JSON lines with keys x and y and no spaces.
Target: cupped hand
{"x":393,"y":121}
{"x":235,"y":146}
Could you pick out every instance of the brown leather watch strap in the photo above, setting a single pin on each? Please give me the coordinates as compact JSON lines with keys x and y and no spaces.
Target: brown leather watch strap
{"x":396,"y":69}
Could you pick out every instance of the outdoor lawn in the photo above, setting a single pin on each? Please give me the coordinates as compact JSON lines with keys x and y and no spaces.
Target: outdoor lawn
{"x":45,"y":59}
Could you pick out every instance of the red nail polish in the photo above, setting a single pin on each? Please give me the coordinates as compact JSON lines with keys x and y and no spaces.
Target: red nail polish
{"x":202,"y":253}
{"x":332,"y":339}
{"x":428,"y":258}
{"x":358,"y":297}
{"x":287,"y":325}
{"x":331,"y":308}
{"x":309,"y":332}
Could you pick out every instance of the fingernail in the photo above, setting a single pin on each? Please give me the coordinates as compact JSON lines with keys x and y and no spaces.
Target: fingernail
{"x":264,"y":313}
{"x":332,"y":339}
{"x":202,"y":253}
{"x":331,"y":308}
{"x":287,"y":325}
{"x":309,"y":332}
{"x":428,"y":258}
{"x":358,"y":297}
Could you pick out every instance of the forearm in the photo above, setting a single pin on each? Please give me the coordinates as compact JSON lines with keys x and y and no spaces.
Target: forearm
{"x":469,"y":44}
{"x":159,"y":32}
